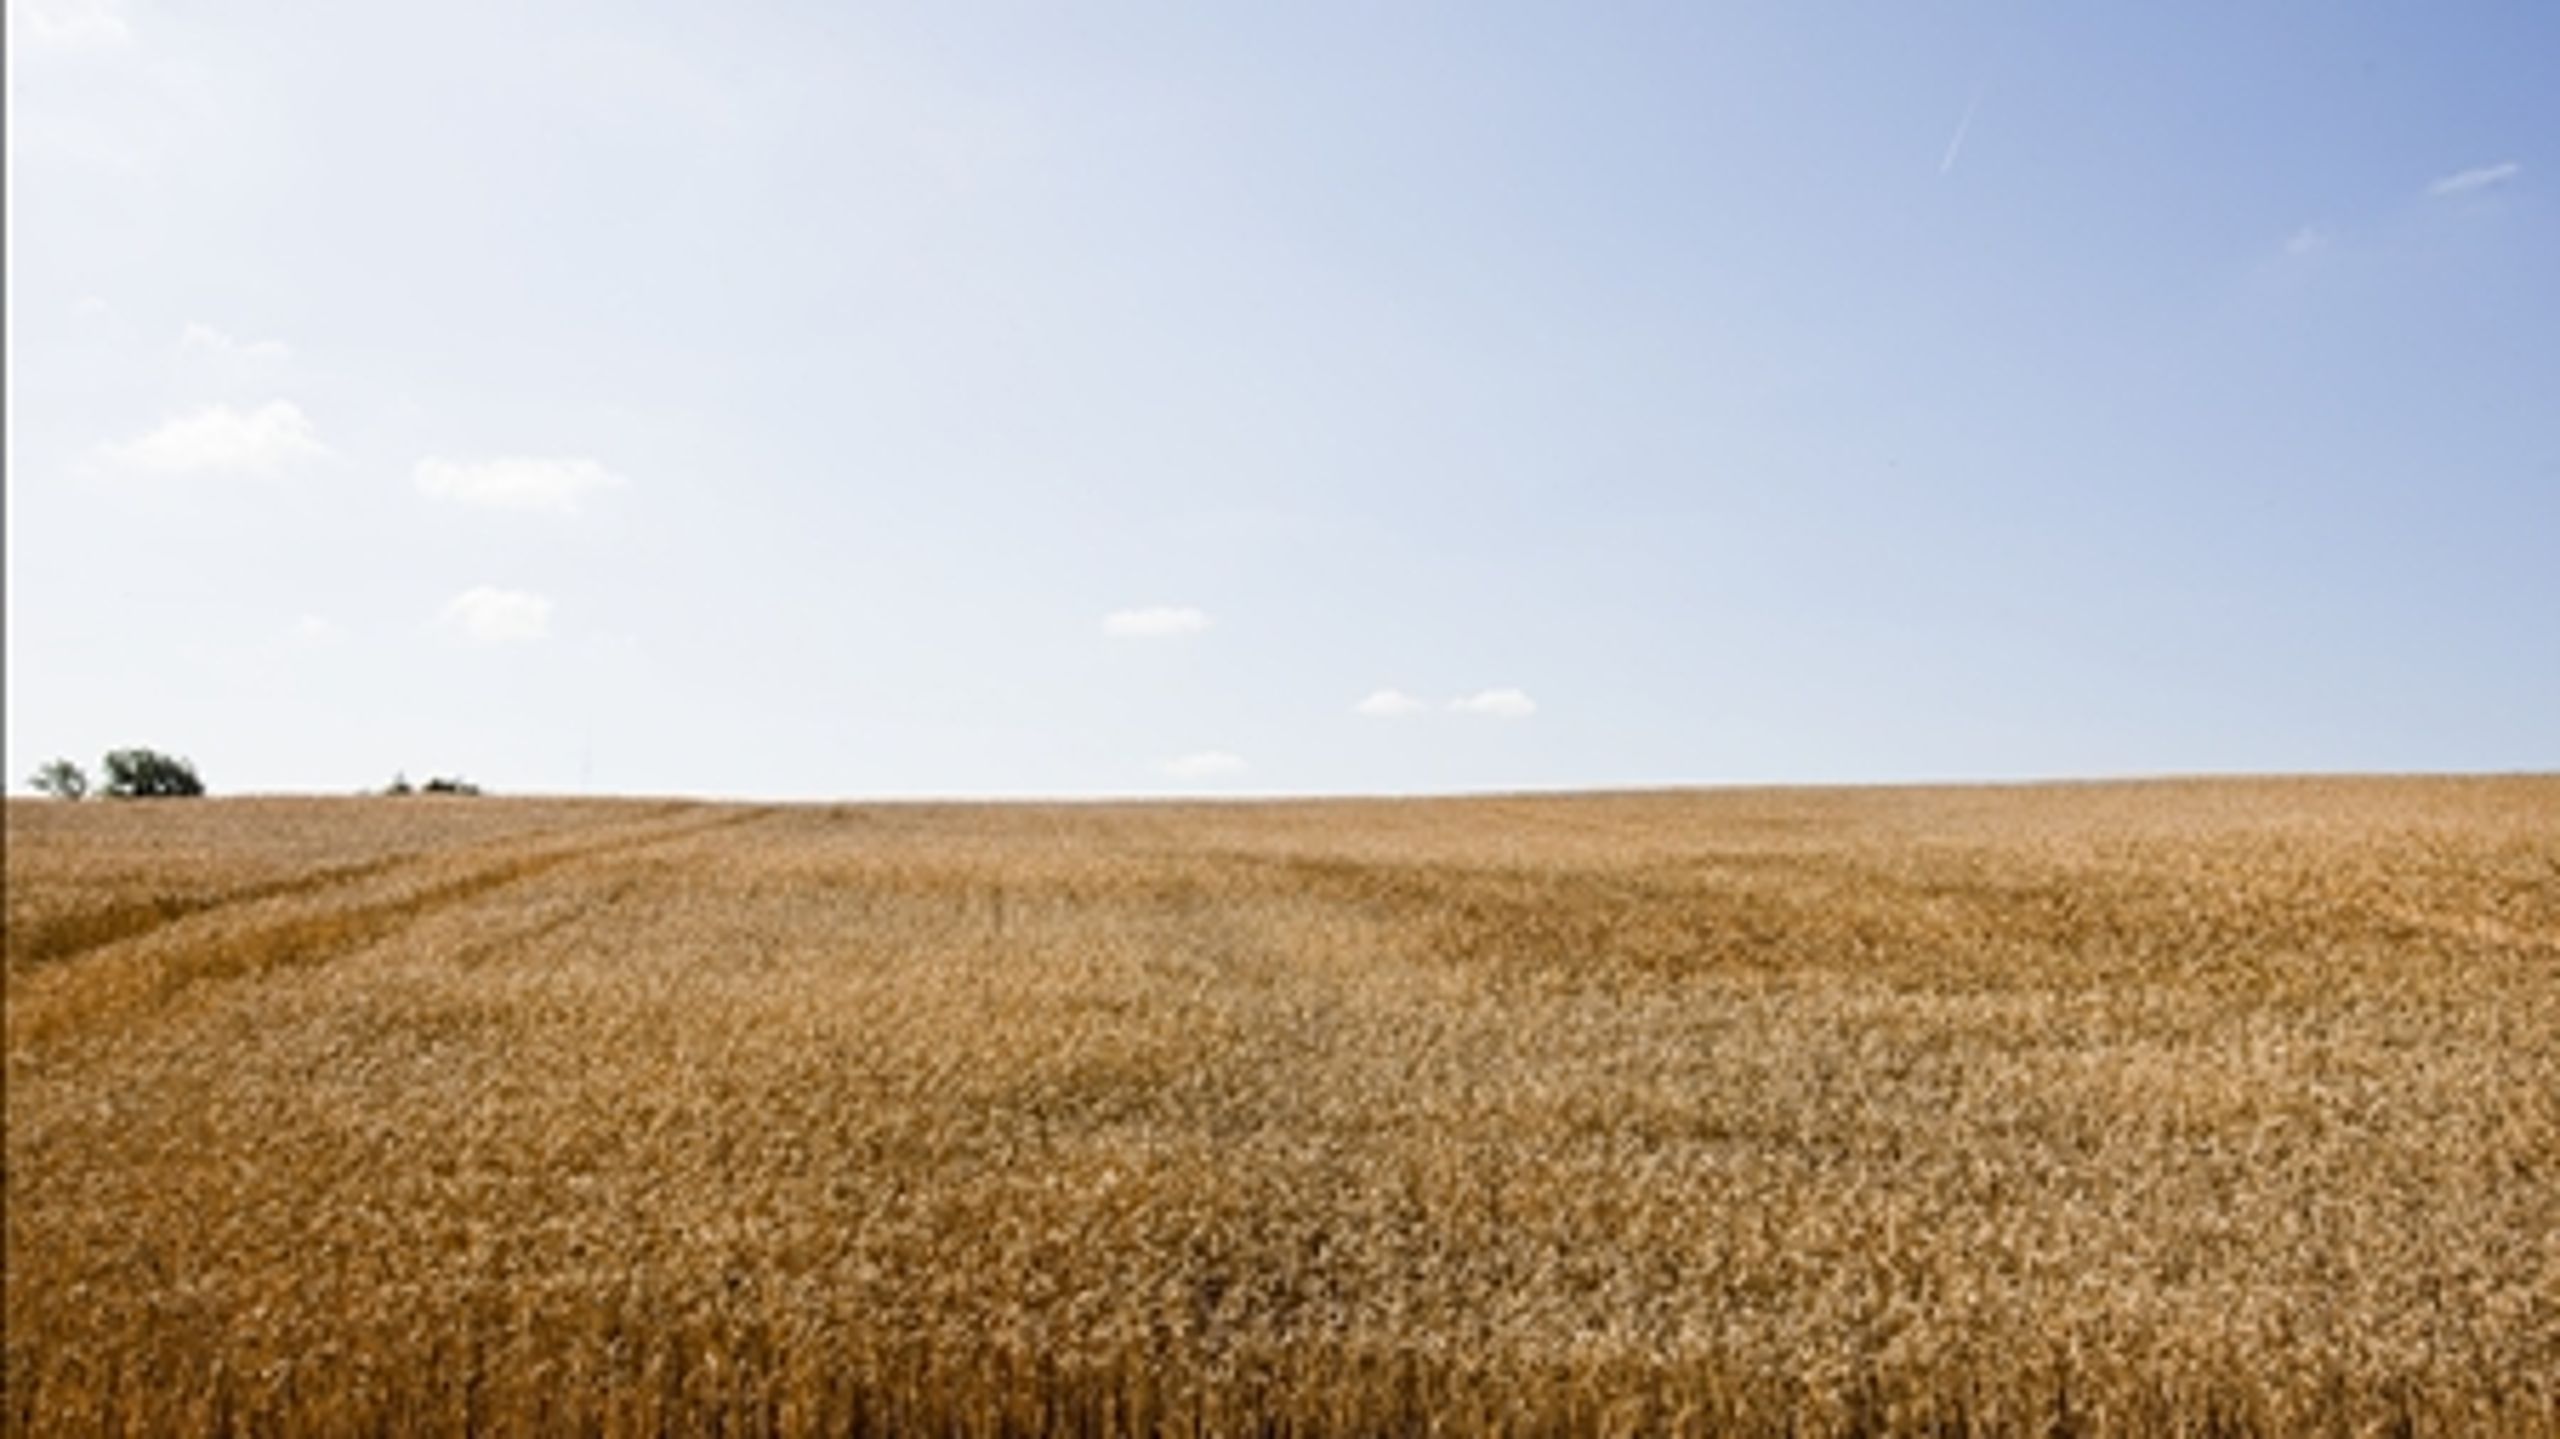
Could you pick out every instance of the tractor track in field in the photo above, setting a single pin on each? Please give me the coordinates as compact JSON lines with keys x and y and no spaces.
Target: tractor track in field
{"x":303,"y":921}
{"x":61,"y":939}
{"x":64,"y":938}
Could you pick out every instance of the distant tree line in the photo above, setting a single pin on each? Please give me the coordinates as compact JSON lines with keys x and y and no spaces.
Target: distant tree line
{"x":149,"y":774}
{"x":441,"y":784}
{"x":131,"y":774}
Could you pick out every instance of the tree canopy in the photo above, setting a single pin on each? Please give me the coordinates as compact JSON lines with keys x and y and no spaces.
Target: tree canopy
{"x":149,"y":774}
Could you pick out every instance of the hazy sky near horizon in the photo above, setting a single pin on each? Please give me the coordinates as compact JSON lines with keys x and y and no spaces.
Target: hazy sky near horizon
{"x":813,"y":400}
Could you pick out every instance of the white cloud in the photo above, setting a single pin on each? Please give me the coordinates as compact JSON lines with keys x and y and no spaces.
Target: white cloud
{"x":315,"y":631}
{"x":1205,"y":764}
{"x":2480,"y":177}
{"x":2308,"y":240}
{"x":70,"y":24}
{"x":487,"y":615}
{"x":206,"y":340}
{"x":1389,"y":704}
{"x":1501,"y":704}
{"x":516,"y":482}
{"x":1159,"y":622}
{"x":221,"y":440}
{"x":89,"y":305}
{"x":1955,"y":147}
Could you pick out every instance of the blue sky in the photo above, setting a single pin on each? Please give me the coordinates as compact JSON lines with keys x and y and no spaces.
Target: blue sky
{"x":829,"y":400}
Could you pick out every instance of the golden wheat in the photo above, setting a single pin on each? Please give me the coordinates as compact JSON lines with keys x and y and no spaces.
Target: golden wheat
{"x":2184,"y":1107}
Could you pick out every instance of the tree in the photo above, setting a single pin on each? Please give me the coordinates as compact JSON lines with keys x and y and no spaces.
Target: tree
{"x":149,"y":774}
{"x":62,"y":779}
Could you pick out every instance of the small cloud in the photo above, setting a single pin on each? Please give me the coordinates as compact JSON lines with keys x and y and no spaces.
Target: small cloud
{"x":487,"y":615}
{"x":2307,"y":241}
{"x":314,"y":631}
{"x":1389,"y":704}
{"x":1955,"y":146}
{"x":559,"y":486}
{"x":89,"y":306}
{"x":221,"y":440}
{"x":1205,"y":764}
{"x":206,"y":340}
{"x":1160,"y":622}
{"x":2464,"y":182}
{"x":1501,"y":704}
{"x":71,"y":24}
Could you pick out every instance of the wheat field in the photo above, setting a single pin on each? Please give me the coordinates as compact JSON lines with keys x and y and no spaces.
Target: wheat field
{"x":2177,"y":1107}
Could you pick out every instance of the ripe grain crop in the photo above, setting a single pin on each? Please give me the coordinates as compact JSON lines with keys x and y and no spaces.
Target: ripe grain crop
{"x":2226,"y":1106}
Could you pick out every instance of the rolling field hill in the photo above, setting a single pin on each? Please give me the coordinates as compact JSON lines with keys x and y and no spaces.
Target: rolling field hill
{"x":2127,"y":1108}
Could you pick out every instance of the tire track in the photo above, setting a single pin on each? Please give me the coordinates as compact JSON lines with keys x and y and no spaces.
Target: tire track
{"x":36,"y":943}
{"x":295,"y":925}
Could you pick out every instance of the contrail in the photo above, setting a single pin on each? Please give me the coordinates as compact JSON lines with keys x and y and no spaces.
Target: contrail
{"x":1955,"y":146}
